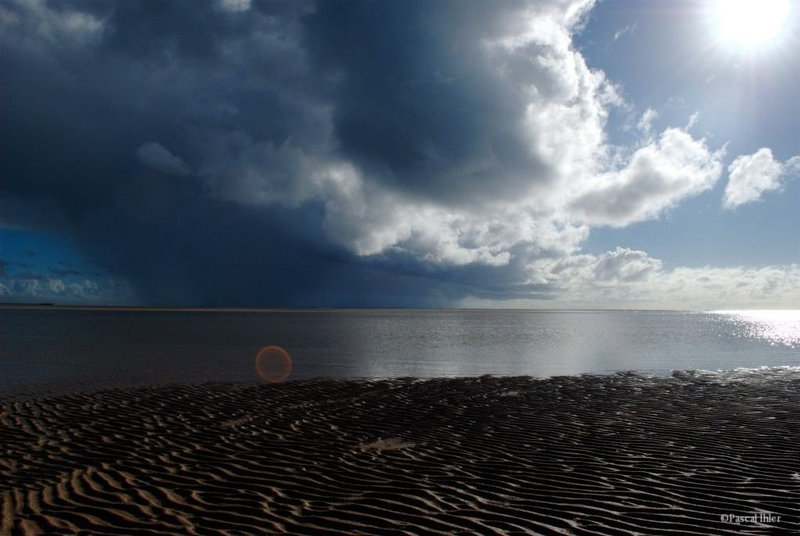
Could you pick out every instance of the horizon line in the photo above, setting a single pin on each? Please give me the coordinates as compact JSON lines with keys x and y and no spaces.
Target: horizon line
{"x":313,"y":309}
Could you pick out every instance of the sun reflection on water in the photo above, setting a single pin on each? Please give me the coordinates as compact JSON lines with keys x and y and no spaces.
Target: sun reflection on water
{"x":778,"y":327}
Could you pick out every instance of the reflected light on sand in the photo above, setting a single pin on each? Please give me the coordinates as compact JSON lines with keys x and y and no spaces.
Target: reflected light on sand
{"x":273,"y":364}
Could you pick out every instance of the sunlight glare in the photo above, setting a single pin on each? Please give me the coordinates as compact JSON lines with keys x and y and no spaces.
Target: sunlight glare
{"x":750,"y":22}
{"x":777,"y":327}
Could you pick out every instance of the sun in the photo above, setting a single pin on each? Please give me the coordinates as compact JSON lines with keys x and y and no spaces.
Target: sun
{"x":749,"y":23}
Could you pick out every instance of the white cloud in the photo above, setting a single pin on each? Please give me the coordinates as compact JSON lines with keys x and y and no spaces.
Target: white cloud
{"x":621,"y":272}
{"x":750,"y":176}
{"x":657,"y":177}
{"x":624,"y":265}
{"x":565,"y":105}
{"x":577,"y":182}
{"x":24,"y":288}
{"x":768,"y":286}
{"x":629,"y":29}
{"x":156,"y":157}
{"x":371,"y":220}
{"x":645,"y":123}
{"x":626,"y":278}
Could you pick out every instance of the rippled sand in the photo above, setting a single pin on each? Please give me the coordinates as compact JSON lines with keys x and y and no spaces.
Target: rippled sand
{"x":579,"y":455}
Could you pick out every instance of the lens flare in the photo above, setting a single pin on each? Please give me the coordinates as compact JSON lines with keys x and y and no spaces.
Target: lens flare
{"x":273,"y":364}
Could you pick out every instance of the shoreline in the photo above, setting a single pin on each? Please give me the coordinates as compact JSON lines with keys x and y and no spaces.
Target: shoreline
{"x":478,"y":455}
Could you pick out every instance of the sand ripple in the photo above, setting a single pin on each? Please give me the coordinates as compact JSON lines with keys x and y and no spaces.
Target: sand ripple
{"x":574,"y":455}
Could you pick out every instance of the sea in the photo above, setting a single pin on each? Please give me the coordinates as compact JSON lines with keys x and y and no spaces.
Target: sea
{"x":47,"y":350}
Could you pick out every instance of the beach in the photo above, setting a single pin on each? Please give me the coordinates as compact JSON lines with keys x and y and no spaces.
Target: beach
{"x":616,"y":454}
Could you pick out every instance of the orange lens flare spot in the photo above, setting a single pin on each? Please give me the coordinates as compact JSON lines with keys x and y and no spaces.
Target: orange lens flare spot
{"x":273,"y":364}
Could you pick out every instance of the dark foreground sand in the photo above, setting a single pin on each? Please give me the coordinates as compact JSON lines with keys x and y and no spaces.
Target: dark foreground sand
{"x":580,"y":455}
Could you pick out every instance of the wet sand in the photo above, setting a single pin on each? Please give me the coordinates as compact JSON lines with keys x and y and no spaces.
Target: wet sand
{"x":616,"y":454}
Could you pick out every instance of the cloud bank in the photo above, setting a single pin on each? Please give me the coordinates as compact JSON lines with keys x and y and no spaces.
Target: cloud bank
{"x":335,"y":153}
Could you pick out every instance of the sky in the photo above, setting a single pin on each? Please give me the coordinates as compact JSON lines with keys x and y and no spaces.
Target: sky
{"x":543,"y":154}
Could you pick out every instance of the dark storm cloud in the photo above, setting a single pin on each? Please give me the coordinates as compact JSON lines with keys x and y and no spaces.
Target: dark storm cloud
{"x":418,"y":102}
{"x":93,"y":95}
{"x":296,"y":153}
{"x":155,"y":156}
{"x":130,"y":127}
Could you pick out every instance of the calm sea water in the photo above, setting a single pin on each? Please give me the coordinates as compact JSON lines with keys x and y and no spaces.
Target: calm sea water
{"x":52,"y":349}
